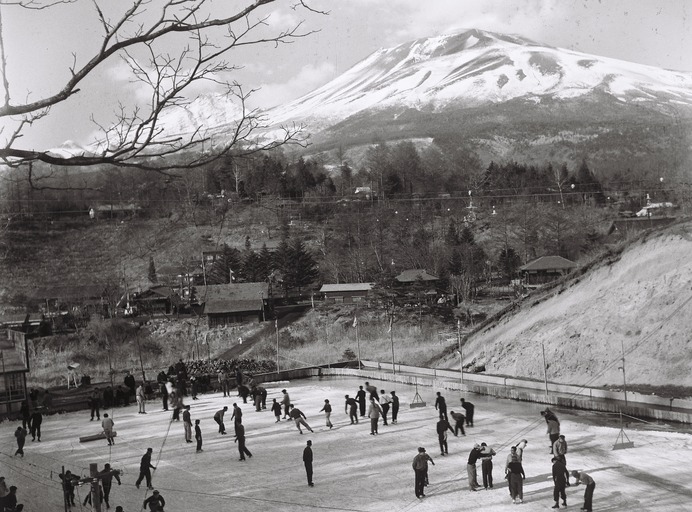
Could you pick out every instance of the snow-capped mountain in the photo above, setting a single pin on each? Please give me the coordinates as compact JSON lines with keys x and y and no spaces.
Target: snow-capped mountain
{"x":505,"y":97}
{"x":476,"y":68}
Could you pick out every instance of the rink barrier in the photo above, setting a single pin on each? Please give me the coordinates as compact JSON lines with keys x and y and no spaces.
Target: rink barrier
{"x":559,"y":395}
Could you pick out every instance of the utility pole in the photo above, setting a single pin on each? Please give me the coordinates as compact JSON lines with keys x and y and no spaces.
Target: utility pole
{"x":391,"y":337}
{"x":624,"y":378}
{"x":545,"y":370}
{"x":276,"y":327}
{"x":461,"y":356}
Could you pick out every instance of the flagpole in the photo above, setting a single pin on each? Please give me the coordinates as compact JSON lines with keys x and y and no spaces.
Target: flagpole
{"x":391,"y":338}
{"x":276,"y":326}
{"x":355,"y":322}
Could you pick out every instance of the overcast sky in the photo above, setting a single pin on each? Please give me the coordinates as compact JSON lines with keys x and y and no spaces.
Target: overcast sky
{"x":39,"y":45}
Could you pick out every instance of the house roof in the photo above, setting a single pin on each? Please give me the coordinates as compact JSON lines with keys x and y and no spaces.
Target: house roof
{"x":549,"y":263}
{"x":14,"y":318}
{"x":234,"y":297}
{"x":179,"y":270}
{"x":346,"y":287}
{"x":413,"y":275}
{"x":156,"y":292}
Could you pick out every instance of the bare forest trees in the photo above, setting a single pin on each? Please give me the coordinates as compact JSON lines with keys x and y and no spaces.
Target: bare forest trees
{"x":169,"y":48}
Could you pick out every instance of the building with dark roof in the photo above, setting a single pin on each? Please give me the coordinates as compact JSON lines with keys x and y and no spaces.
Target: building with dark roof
{"x":546,"y":269}
{"x":341,"y":293}
{"x":415,"y":275}
{"x":226,"y":304}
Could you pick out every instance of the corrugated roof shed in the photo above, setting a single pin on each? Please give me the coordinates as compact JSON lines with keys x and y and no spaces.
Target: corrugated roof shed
{"x":415,"y":274}
{"x":234,"y":297}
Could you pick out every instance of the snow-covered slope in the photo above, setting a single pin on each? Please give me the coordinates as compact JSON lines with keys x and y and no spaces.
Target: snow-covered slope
{"x":474,"y":68}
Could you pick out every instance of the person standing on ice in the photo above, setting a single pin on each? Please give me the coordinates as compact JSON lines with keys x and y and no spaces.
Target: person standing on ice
{"x":307,"y":461}
{"x":559,"y":482}
{"x":187,"y":424}
{"x":360,"y":396}
{"x":240,"y":439}
{"x":487,"y":465}
{"x":327,"y":413}
{"x":471,"y":467}
{"x":395,"y":406}
{"x":372,"y":390}
{"x":442,"y":427}
{"x":276,"y":409}
{"x":583,"y":478}
{"x":286,"y":402}
{"x":107,"y":425}
{"x":237,"y":416}
{"x":420,"y":468}
{"x":458,"y":422}
{"x":20,"y":434}
{"x":559,"y":451}
{"x":374,"y":412}
{"x":516,"y":475}
{"x":384,"y":402}
{"x":441,"y":405}
{"x":198,"y":436}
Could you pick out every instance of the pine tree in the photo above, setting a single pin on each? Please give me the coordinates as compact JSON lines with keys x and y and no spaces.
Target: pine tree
{"x":303,"y":267}
{"x":153,"y":279}
{"x":508,"y":261}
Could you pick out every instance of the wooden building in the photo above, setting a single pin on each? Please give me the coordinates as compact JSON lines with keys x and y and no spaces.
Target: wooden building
{"x":545,"y":270}
{"x":226,"y":304}
{"x":14,"y":365}
{"x":346,"y":292}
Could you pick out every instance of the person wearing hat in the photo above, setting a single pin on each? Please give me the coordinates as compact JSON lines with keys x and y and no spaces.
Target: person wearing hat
{"x":583,"y":478}
{"x":420,"y":468}
{"x":374,"y":412}
{"x":299,"y":418}
{"x":351,"y":408}
{"x":155,"y":502}
{"x":107,"y":425}
{"x":276,"y":409}
{"x":144,"y":467}
{"x":307,"y":460}
{"x":516,"y":476}
{"x":327,"y":412}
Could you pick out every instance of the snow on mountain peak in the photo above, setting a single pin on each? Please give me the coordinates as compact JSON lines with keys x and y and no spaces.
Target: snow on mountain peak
{"x":474,"y":67}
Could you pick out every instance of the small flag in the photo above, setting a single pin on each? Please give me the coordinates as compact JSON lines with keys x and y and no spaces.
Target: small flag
{"x":355,"y":321}
{"x":391,"y":320}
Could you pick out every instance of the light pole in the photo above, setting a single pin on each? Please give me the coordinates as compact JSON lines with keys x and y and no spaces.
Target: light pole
{"x":276,"y":327}
{"x":461,"y":354}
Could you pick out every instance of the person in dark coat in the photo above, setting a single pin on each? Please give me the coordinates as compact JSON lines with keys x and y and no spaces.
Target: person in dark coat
{"x":36,"y":420}
{"x":373,"y":391}
{"x":327,"y":413}
{"x":164,"y":394}
{"x":307,"y":461}
{"x":68,"y":482}
{"x":351,"y":408}
{"x":395,"y":406}
{"x":94,"y":404}
{"x":441,"y":405}
{"x":286,"y":402}
{"x":144,"y":469}
{"x":26,"y":415}
{"x":108,"y":397}
{"x":420,"y":467}
{"x":240,"y":439}
{"x":198,"y":436}
{"x":129,"y":381}
{"x":487,"y":465}
{"x":442,"y":427}
{"x":458,"y":422}
{"x":155,"y":502}
{"x":20,"y":434}
{"x":469,"y":409}
{"x":10,"y":501}
{"x":360,"y":396}
{"x":218,"y":418}
{"x":107,"y":476}
{"x":276,"y":409}
{"x":237,"y":415}
{"x":560,"y":482}
{"x":516,"y":476}
{"x":471,"y":467}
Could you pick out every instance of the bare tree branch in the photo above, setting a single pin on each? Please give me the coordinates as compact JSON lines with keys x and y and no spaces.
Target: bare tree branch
{"x":138,"y":137}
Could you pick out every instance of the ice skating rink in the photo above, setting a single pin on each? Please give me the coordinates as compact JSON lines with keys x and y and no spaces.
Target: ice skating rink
{"x":353,"y":471}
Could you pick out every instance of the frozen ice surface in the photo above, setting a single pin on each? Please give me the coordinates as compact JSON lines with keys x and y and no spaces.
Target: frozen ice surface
{"x":353,"y":471}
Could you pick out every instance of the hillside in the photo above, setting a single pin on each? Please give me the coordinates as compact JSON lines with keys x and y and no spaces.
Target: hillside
{"x":640,"y":298}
